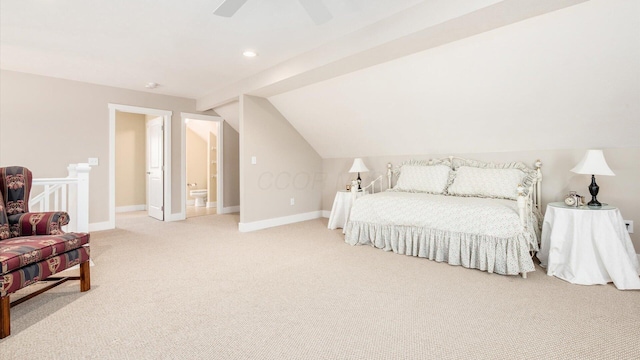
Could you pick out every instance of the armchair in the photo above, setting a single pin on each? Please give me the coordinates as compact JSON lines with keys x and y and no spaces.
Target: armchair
{"x":33,"y":246}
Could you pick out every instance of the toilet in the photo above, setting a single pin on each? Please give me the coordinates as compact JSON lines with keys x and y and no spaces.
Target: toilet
{"x":199,"y":195}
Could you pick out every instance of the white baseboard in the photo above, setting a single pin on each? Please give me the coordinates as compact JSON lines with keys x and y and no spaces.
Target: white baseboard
{"x":211,"y":204}
{"x":99,"y":226}
{"x":264,"y":224}
{"x":231,"y":209}
{"x":129,"y":208}
{"x":176,"y":217}
{"x":326,"y":214}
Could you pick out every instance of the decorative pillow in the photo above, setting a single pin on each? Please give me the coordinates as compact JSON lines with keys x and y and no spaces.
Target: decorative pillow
{"x":487,"y":182}
{"x":423,"y":178}
{"x":4,"y":221}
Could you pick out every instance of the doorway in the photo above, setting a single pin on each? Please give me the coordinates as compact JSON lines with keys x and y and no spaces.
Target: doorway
{"x":202,"y":165}
{"x":160,"y":175}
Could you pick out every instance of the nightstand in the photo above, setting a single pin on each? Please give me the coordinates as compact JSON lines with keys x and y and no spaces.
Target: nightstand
{"x":341,"y":208}
{"x":585,"y":245}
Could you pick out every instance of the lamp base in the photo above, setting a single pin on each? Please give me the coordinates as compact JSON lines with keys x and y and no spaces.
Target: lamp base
{"x":594,"y":202}
{"x":593,"y":190}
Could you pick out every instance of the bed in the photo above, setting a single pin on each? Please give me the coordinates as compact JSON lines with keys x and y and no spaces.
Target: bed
{"x":479,"y":215}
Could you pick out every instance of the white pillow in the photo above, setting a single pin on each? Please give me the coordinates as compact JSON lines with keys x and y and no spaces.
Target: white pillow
{"x":486,"y":182}
{"x":423,"y":178}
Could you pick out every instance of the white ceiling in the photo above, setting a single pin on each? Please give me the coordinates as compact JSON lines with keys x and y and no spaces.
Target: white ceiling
{"x":458,"y":73}
{"x":180,"y":45}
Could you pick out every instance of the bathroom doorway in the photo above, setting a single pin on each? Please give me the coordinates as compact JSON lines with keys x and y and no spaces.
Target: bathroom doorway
{"x":202,"y":154}
{"x":128,"y":151}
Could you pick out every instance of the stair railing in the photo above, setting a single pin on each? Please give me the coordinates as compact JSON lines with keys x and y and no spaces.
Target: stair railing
{"x":70,"y":194}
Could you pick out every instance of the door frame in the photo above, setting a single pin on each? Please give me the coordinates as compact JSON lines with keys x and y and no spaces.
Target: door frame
{"x":183,"y":161}
{"x":166,"y":116}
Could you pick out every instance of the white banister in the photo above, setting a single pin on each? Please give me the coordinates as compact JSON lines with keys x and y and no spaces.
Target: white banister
{"x":70,"y":194}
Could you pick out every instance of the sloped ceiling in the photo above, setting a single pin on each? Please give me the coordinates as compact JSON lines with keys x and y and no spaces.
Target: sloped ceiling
{"x":554,"y":81}
{"x":370,"y":66}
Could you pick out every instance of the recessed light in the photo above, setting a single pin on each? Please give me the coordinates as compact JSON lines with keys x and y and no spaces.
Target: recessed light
{"x":250,"y":53}
{"x":151,"y":85}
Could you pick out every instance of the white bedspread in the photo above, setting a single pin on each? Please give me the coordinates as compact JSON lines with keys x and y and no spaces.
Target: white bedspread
{"x":479,"y":233}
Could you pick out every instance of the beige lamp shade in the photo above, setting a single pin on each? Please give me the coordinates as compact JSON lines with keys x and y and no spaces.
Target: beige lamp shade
{"x":358,"y":166}
{"x":593,"y":163}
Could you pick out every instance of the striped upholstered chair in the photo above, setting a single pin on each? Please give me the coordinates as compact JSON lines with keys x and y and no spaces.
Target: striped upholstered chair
{"x":33,"y":246}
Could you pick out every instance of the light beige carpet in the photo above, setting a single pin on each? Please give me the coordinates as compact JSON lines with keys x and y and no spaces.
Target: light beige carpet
{"x":199,"y":289}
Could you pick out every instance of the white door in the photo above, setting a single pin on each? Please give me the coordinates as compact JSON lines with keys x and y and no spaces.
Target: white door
{"x":155,"y":168}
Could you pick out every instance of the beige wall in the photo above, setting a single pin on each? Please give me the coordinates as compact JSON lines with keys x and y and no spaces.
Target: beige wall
{"x":47,"y":123}
{"x":287,"y":166}
{"x":131,"y":188}
{"x":212,"y":187}
{"x":231,"y":166}
{"x":196,"y":162}
{"x":622,"y":190}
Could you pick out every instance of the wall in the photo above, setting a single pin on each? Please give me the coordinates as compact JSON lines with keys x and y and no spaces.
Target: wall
{"x":287,"y":166}
{"x":212,"y":178}
{"x":231,"y":166}
{"x":131,"y":188}
{"x":47,"y":123}
{"x":621,"y":190}
{"x":196,"y":162}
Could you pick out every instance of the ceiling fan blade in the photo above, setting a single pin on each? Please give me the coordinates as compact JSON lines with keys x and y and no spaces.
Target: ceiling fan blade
{"x":229,"y":7}
{"x":317,"y":11}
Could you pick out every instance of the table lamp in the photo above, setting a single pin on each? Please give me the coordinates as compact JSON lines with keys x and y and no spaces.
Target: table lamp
{"x":593,"y":163}
{"x":358,"y":167}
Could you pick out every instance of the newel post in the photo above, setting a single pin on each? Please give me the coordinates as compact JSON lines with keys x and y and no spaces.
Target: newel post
{"x":82,"y":215}
{"x":72,"y":200}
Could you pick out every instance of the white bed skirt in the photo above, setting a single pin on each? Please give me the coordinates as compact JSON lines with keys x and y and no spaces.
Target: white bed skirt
{"x":506,"y":256}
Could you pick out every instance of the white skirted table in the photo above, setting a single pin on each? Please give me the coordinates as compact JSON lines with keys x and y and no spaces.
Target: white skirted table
{"x":588,"y":246}
{"x":341,"y":209}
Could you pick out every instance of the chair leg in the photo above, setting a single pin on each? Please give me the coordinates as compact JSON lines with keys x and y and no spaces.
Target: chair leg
{"x":85,"y":277}
{"x":5,"y":327}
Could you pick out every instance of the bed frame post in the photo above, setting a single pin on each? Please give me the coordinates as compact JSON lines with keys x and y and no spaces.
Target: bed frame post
{"x":389,"y":172}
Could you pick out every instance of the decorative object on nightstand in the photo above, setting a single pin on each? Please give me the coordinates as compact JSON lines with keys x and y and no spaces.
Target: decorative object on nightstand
{"x":593,"y":163}
{"x":358,"y":167}
{"x":573,"y":199}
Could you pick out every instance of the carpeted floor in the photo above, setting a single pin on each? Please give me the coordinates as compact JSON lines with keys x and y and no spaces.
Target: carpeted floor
{"x":199,"y":289}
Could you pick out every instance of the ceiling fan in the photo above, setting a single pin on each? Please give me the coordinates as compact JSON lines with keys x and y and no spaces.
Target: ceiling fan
{"x":316,"y":9}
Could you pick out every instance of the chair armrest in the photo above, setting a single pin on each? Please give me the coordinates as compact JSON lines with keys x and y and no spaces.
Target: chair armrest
{"x":38,"y":223}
